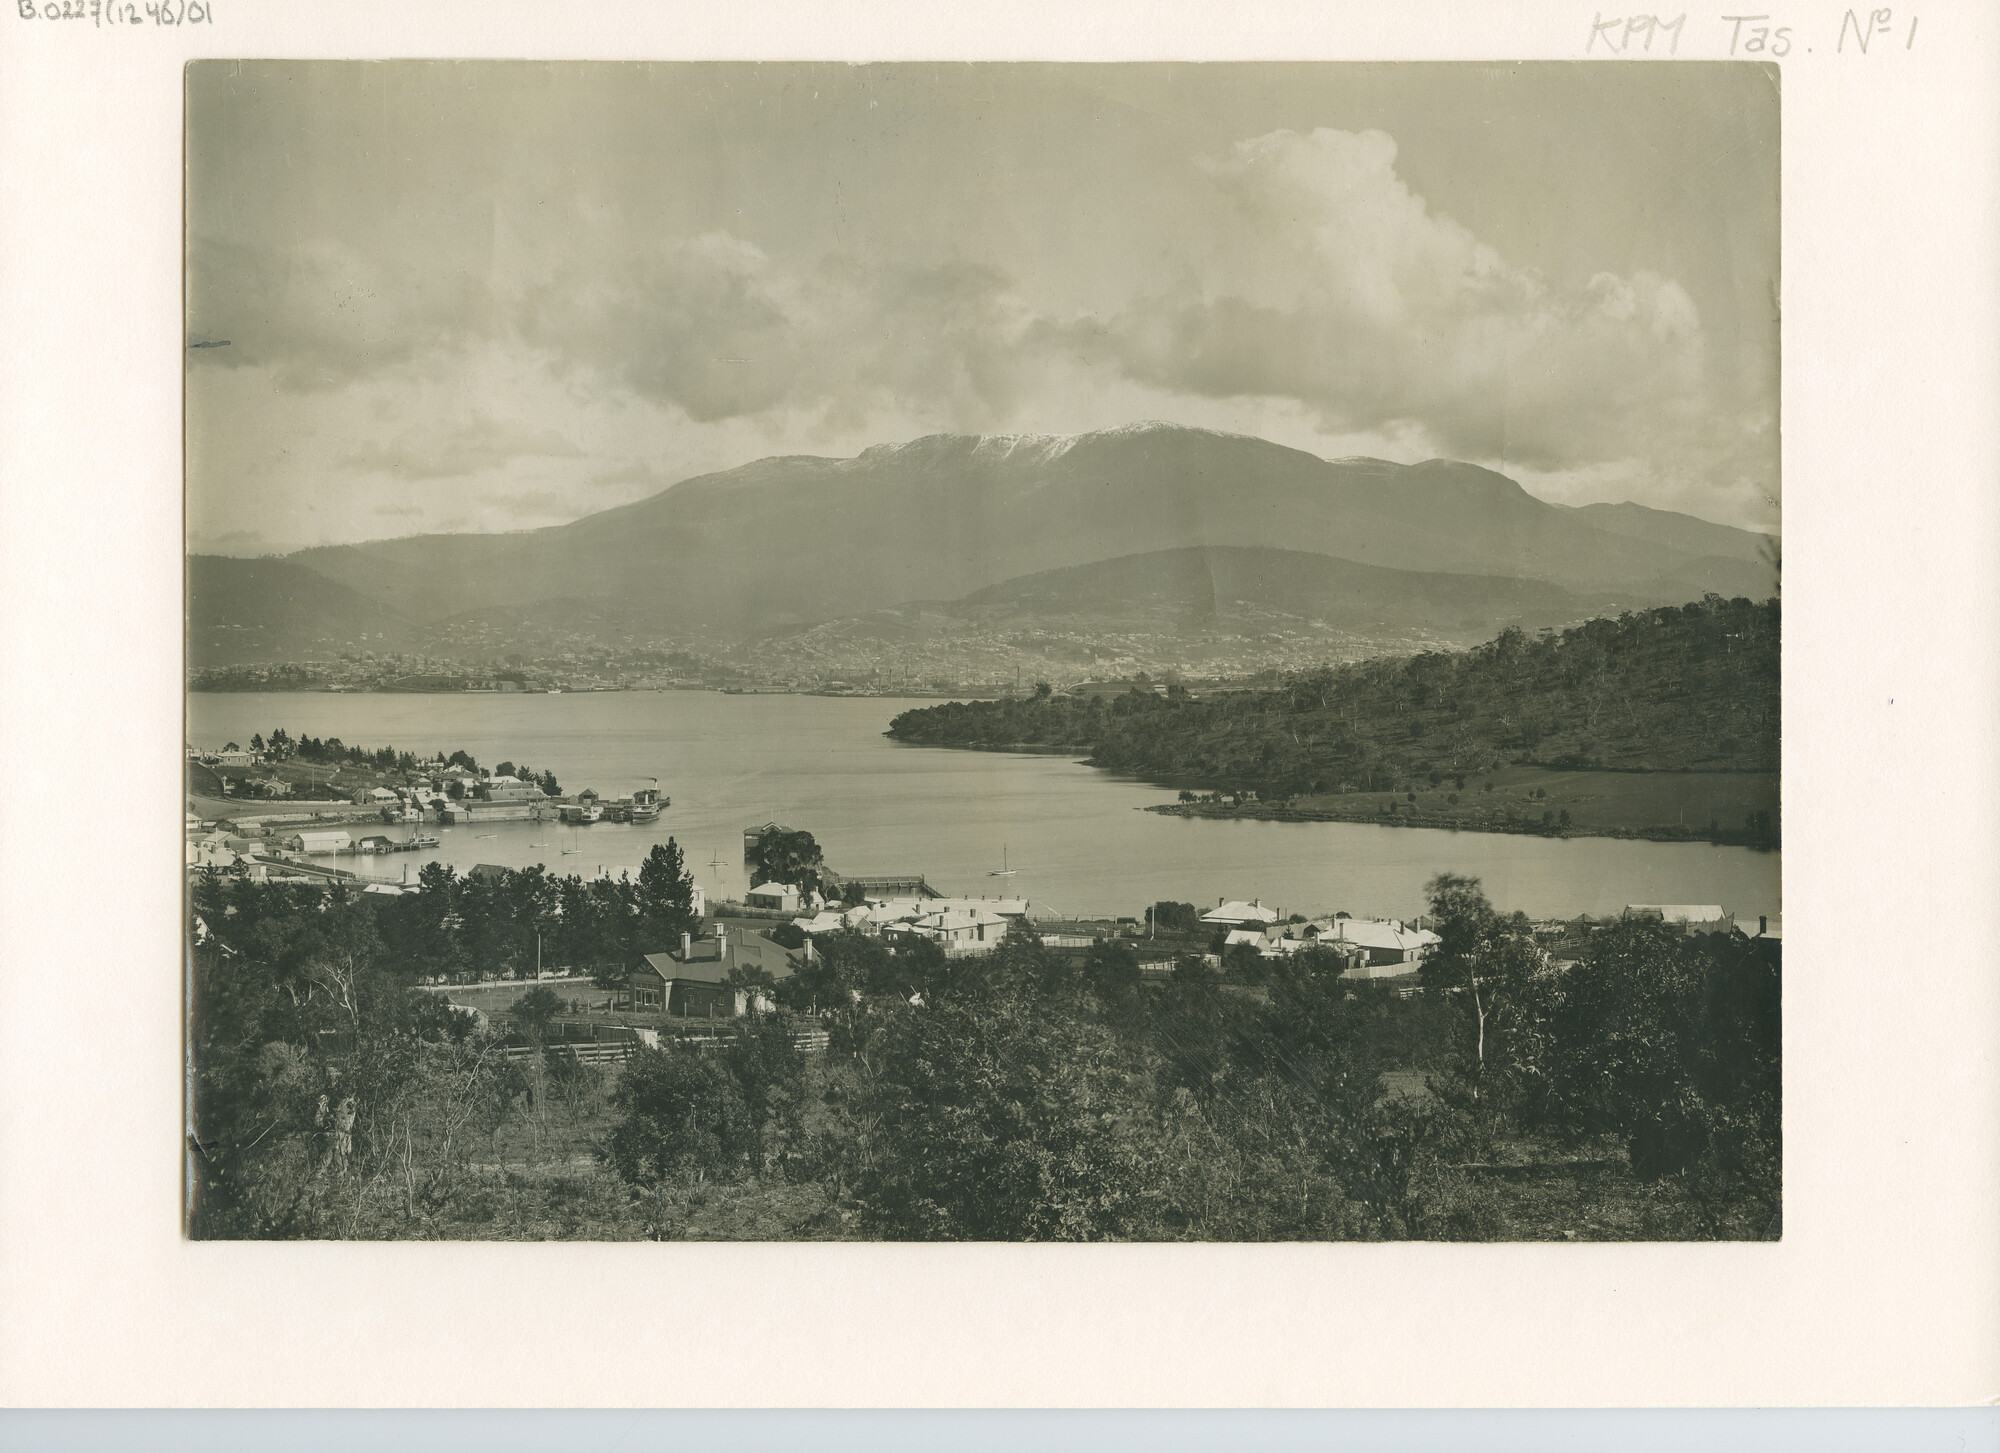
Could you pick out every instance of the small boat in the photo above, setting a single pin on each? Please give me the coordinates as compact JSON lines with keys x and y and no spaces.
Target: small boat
{"x":424,"y":841}
{"x":489,"y":834}
{"x":1003,"y":871}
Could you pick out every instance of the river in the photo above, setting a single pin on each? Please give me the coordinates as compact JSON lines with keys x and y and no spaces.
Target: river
{"x":1076,"y":836}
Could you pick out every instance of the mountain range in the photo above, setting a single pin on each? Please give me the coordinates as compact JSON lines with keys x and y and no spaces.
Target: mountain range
{"x":992,"y":524}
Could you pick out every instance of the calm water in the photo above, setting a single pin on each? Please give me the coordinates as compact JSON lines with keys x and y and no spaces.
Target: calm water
{"x":1076,"y":835}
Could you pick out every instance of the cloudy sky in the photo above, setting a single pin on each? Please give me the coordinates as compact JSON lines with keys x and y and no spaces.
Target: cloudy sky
{"x":491,"y":296}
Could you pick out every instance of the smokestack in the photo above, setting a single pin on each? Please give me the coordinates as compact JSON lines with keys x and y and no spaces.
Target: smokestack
{"x":687,"y":948}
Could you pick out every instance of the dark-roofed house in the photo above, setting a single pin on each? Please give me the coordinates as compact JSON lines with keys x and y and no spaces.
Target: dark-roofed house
{"x":662,"y":984}
{"x":486,"y":870}
{"x":694,"y":982}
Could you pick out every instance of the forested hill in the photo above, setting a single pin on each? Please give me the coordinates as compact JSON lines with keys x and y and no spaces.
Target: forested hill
{"x":1691,"y":687}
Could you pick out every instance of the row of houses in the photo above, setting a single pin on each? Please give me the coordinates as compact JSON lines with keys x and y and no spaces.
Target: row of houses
{"x":958,"y":925}
{"x":1376,"y":948}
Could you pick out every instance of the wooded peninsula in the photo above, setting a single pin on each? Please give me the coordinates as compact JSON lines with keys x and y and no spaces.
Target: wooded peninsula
{"x":1661,"y":723}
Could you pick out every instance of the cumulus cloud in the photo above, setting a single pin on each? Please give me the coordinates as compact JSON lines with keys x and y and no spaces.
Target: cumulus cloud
{"x":321,"y":313}
{"x":474,"y":445}
{"x":717,"y":328}
{"x":1325,"y":301}
{"x":1344,"y":291}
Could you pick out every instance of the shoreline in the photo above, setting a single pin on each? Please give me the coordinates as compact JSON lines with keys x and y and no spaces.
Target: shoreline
{"x":1374,"y":816}
{"x":1445,"y":822}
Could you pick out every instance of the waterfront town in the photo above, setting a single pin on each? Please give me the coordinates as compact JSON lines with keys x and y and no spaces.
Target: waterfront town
{"x":734,"y":953}
{"x":815,"y":660}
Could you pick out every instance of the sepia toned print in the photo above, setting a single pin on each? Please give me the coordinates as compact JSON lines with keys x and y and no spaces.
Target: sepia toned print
{"x":983,"y":652}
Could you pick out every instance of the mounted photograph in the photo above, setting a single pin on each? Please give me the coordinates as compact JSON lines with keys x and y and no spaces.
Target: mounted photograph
{"x":982,"y":652}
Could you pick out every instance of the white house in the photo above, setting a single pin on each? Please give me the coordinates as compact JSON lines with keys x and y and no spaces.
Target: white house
{"x":960,"y":931}
{"x":1238,"y":914}
{"x":781,"y":896}
{"x":904,"y":910}
{"x":830,"y":920}
{"x":1382,"y":948}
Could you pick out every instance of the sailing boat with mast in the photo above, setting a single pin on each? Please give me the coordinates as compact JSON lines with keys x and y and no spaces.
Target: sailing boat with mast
{"x":1003,"y":871}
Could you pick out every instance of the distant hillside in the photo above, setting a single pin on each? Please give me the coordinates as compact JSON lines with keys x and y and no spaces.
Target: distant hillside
{"x":1253,"y":587}
{"x":1660,"y":690}
{"x":1678,"y":532}
{"x":1212,"y":610}
{"x":277,"y":610}
{"x":794,"y":540}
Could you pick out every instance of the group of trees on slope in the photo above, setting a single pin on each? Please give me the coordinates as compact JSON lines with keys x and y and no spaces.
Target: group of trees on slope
{"x":1690,"y":687}
{"x":1026,"y":1093}
{"x":282,"y":746}
{"x":463,"y":927}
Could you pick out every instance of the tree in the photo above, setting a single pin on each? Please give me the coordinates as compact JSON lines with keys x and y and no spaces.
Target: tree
{"x":534,"y":1012}
{"x":683,"y":1122}
{"x":665,"y":896}
{"x":1673,"y":1043}
{"x":994,"y":1122}
{"x":769,"y":1070}
{"x":1482,"y":955}
{"x":779,"y":855}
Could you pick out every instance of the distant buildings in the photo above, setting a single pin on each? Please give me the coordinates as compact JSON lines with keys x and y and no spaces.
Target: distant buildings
{"x":1687,"y":917}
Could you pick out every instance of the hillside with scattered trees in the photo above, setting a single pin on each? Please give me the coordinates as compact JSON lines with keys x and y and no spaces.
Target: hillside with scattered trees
{"x":1677,"y":689}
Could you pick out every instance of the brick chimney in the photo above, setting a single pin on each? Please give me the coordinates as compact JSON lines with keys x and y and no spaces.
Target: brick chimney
{"x":1763,"y":922}
{"x":687,"y":948}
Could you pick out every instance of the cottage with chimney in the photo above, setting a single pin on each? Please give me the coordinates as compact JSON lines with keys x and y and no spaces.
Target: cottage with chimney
{"x":693,"y":983}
